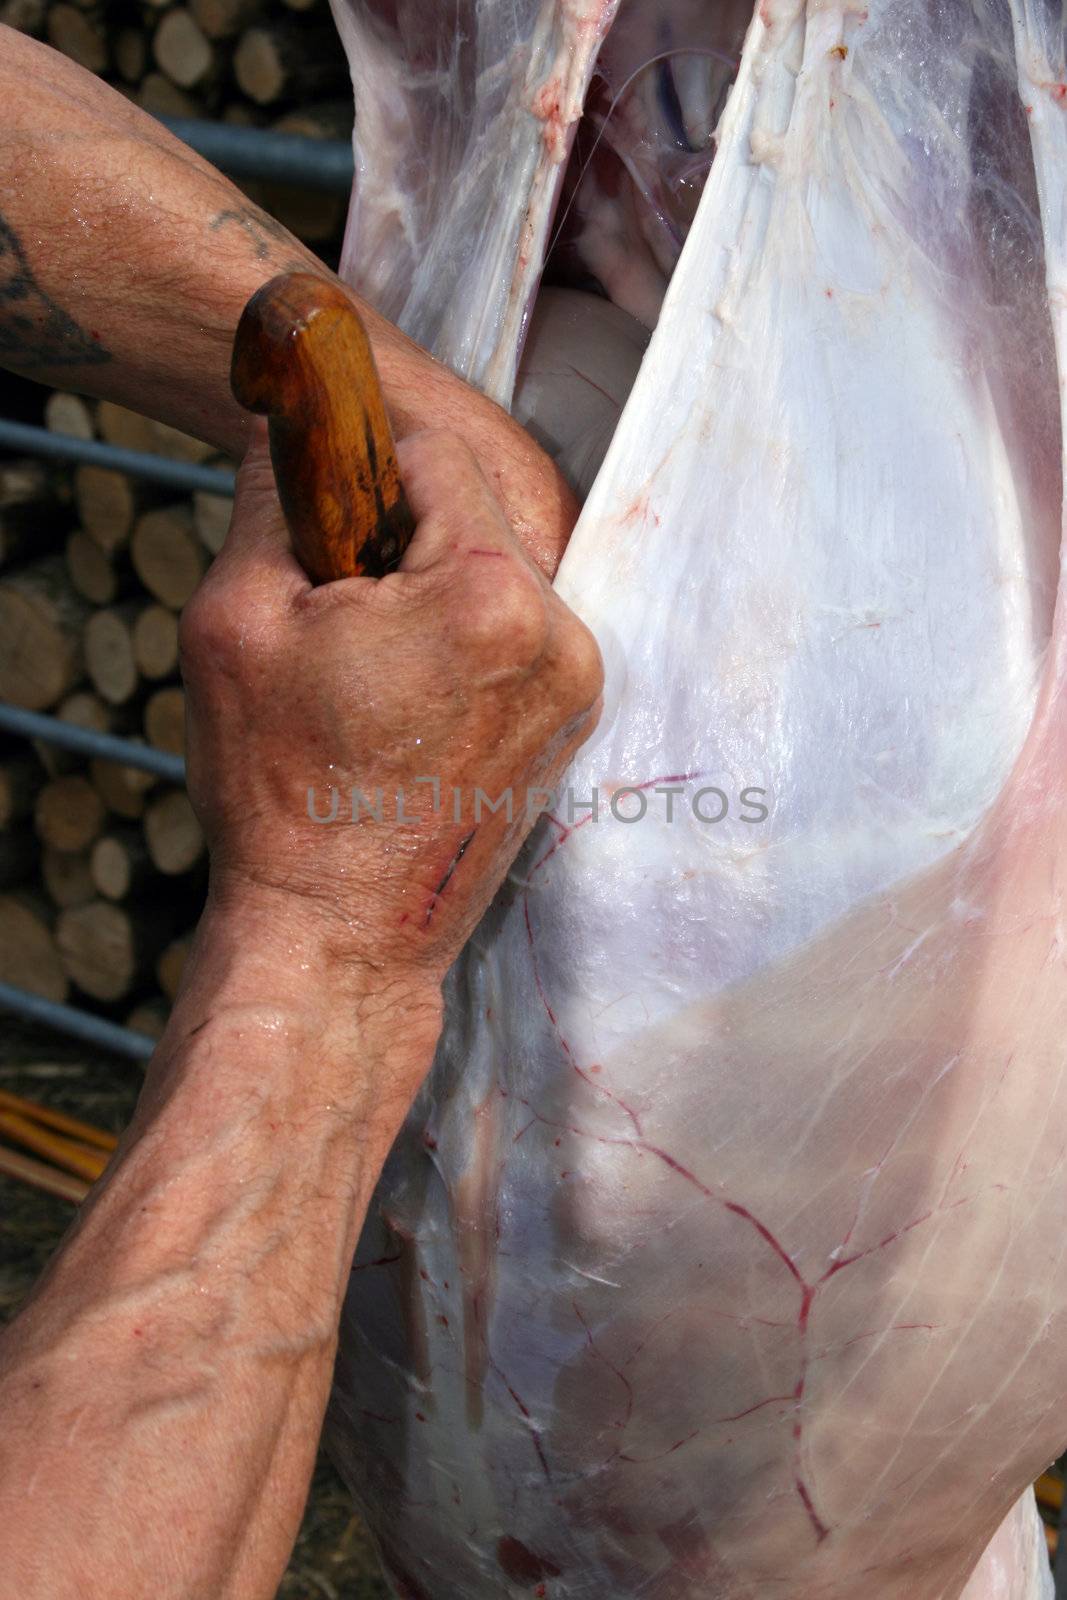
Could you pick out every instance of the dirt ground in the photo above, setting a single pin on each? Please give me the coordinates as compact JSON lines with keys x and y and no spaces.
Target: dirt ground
{"x":333,"y":1558}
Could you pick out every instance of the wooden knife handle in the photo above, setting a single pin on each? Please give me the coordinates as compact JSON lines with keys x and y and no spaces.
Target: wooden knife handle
{"x":301,"y":357}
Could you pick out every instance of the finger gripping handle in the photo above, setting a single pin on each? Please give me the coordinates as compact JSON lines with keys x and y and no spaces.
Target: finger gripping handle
{"x":301,"y":357}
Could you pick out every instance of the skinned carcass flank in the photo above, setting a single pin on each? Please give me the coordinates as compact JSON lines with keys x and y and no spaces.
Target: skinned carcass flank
{"x":466,"y":114}
{"x":721,"y":1256}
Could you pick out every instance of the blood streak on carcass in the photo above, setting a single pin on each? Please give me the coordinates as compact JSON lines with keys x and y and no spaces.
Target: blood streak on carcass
{"x":520,"y":1564}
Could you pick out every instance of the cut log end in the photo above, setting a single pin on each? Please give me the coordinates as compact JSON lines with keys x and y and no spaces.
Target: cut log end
{"x":66,"y":877}
{"x":175,"y":838}
{"x":105,"y":949}
{"x":108,"y":648}
{"x":123,"y":789}
{"x":164,"y":720}
{"x":119,"y":864}
{"x":69,"y":813}
{"x":41,"y":619}
{"x":182,"y":51}
{"x":29,"y":958}
{"x":167,"y":555}
{"x":171,"y":965}
{"x":155,"y":642}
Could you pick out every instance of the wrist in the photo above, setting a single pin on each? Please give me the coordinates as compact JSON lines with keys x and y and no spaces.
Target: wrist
{"x":266,"y":951}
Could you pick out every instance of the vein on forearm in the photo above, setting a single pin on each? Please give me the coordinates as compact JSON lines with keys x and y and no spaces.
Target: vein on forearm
{"x":188,"y":1326}
{"x":172,"y":1320}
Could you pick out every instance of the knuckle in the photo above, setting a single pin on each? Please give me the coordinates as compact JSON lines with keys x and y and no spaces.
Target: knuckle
{"x":211,"y":630}
{"x":443,"y":444}
{"x":504,"y":622}
{"x":579,"y":665}
{"x":198,"y":627}
{"x":433,"y":458}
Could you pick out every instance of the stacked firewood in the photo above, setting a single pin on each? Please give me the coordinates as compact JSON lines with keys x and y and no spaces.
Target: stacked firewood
{"x":102,"y":866}
{"x":256,"y":63}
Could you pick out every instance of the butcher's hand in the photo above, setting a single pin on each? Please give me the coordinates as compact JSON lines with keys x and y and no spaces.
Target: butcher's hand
{"x":163,"y":1391}
{"x":125,"y":262}
{"x":369,"y":753}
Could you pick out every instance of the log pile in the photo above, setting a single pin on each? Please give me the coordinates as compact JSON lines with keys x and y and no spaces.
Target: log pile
{"x":102,"y":867}
{"x":256,"y":63}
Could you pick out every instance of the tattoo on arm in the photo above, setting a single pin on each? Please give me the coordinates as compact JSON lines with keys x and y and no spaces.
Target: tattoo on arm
{"x":34,"y":330}
{"x":264,"y":233}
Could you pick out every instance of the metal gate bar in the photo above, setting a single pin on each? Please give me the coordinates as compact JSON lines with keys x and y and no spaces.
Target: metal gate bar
{"x":185,"y":476}
{"x":78,"y":1024}
{"x":288,"y":158}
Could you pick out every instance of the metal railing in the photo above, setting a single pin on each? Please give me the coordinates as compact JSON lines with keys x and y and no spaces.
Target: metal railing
{"x":78,"y":1024}
{"x":88,"y":742}
{"x":324,"y":164}
{"x":185,"y":476}
{"x":71,"y":1020}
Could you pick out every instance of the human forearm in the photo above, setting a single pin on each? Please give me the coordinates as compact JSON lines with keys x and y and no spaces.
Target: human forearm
{"x":125,"y":262}
{"x":173,"y":1367}
{"x":127,"y":257}
{"x":162,"y":1393}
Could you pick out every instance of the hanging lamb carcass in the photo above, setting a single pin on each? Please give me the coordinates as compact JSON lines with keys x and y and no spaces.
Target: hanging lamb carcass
{"x":721,"y":1256}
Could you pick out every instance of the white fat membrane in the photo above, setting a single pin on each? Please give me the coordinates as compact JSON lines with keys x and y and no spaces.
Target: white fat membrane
{"x":710,"y":1265}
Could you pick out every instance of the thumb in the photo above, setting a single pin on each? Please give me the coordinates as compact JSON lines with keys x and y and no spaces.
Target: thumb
{"x":456,"y":512}
{"x":258,"y":536}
